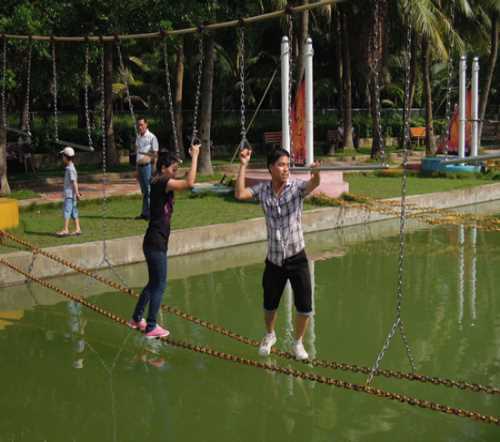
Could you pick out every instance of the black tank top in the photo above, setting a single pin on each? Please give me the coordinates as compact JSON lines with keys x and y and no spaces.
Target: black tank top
{"x":161,"y":209}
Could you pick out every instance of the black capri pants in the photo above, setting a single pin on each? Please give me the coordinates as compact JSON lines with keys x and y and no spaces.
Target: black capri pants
{"x":296,"y":269}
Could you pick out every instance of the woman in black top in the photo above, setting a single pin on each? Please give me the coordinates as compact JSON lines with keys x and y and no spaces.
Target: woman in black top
{"x":155,"y":244}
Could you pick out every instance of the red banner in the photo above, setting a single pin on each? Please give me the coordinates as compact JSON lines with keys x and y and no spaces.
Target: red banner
{"x":454,"y":128}
{"x":298,"y":127}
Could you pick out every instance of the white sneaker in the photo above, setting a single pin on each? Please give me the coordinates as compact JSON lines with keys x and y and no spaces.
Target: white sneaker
{"x":267,"y":342}
{"x":299,"y":351}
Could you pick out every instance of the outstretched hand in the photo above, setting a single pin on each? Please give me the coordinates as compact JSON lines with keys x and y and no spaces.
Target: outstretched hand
{"x":194,"y":150}
{"x":315,"y":167}
{"x":245,"y":155}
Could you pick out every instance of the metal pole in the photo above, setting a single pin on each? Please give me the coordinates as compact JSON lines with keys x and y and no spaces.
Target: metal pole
{"x":309,"y":117}
{"x":285,"y":78}
{"x":461,"y":106}
{"x":475,"y":107}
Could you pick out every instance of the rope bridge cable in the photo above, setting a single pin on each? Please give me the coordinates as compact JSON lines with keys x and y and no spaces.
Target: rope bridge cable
{"x":298,"y":374}
{"x":191,"y":30}
{"x":460,"y":385}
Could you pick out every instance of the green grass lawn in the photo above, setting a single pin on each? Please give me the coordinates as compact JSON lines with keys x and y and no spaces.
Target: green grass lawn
{"x":388,"y":187}
{"x":38,"y":223}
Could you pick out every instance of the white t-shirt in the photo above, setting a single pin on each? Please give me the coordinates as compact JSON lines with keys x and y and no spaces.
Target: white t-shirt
{"x":147,"y":143}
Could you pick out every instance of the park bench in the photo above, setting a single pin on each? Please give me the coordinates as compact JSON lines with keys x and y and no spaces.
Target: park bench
{"x":272,"y":138}
{"x":491,"y":131}
{"x":417,"y":134}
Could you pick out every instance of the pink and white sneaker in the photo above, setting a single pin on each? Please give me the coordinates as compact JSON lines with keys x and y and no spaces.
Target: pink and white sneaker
{"x":141,"y":325}
{"x":157,"y":332}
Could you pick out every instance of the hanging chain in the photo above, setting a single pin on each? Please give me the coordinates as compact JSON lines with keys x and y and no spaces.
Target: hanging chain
{"x":4,"y":82}
{"x":124,"y":76}
{"x":54,"y":91}
{"x":241,"y":63}
{"x":450,"y":78}
{"x":194,"y":136}
{"x":104,"y":205}
{"x":170,"y":100}
{"x":290,"y":81}
{"x":376,"y":80}
{"x":86,"y":81}
{"x":27,"y":122}
{"x":398,"y":323}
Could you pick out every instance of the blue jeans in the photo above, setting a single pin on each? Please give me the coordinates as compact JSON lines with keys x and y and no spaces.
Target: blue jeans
{"x":144,"y":173}
{"x":152,"y":294}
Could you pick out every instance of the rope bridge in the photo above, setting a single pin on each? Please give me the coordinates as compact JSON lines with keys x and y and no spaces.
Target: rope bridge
{"x":367,"y":389}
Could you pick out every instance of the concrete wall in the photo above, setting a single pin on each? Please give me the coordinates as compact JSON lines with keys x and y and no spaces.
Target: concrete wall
{"x":128,"y":250}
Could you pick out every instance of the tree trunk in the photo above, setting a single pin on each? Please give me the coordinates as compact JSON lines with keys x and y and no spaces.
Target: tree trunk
{"x":415,"y":43}
{"x":4,"y":183}
{"x":346,"y":83}
{"x":492,"y":61}
{"x":430,"y":144}
{"x":179,"y":82}
{"x":304,"y":32}
{"x":336,"y":42}
{"x":375,"y":59}
{"x":111,"y":153}
{"x":205,"y":165}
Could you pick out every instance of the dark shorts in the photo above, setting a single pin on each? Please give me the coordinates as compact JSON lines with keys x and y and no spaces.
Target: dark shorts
{"x":295,"y":269}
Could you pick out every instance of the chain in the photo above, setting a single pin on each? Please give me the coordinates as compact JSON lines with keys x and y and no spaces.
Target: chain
{"x":290,"y":81}
{"x":104,"y":206}
{"x":376,"y":80}
{"x":124,"y":75}
{"x":298,"y":374}
{"x":86,"y":80}
{"x":450,"y":78}
{"x":54,"y":90}
{"x":241,"y":63}
{"x":170,"y":100}
{"x":27,"y":121}
{"x":461,"y":385}
{"x":4,"y":81}
{"x":194,"y":136}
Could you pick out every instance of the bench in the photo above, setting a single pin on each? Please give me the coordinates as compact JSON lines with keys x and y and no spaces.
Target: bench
{"x":491,"y":131}
{"x":273,"y":138}
{"x":417,"y":134}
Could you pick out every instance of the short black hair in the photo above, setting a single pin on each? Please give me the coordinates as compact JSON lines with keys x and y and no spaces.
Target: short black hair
{"x":166,"y":160}
{"x":275,"y":155}
{"x":143,"y":119}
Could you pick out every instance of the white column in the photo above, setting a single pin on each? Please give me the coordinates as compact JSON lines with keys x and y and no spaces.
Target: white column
{"x":308,"y":63}
{"x":285,"y":105}
{"x":461,"y":106}
{"x":475,"y":107}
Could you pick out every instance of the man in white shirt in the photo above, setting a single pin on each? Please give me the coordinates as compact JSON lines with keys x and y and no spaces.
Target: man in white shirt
{"x":146,"y":145}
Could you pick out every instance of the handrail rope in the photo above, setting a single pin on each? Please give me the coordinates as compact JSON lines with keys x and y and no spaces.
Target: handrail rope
{"x":458,"y":384}
{"x":190,"y":30}
{"x":292,"y":372}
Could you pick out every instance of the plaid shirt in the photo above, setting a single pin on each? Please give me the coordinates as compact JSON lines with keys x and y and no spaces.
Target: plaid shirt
{"x":283,"y":213}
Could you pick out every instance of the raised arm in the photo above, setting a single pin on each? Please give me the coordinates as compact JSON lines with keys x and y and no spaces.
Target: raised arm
{"x":314,"y":180}
{"x":190,"y":179}
{"x":240,"y":191}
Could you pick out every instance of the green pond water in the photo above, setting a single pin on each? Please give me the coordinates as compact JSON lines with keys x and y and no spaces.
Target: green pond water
{"x":68,"y":374}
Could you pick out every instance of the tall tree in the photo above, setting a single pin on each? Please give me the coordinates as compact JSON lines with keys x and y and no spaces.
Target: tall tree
{"x":111,"y":152}
{"x":205,"y":164}
{"x":492,"y":8}
{"x":179,"y":85}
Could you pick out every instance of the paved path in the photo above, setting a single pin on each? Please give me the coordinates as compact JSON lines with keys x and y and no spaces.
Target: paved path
{"x":53,"y":192}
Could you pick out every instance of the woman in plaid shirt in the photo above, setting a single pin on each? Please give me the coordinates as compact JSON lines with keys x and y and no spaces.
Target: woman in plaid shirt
{"x":282,"y":200}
